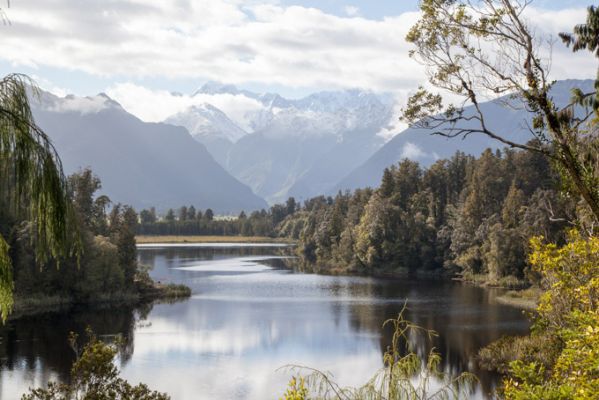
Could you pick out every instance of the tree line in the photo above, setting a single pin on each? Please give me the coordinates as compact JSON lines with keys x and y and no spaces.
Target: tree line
{"x":466,"y":215}
{"x":186,"y":220}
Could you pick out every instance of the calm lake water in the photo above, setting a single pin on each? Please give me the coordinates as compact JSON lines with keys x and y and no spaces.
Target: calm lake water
{"x":248,"y":317}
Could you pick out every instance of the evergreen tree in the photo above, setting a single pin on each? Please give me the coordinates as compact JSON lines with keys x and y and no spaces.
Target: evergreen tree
{"x":170,"y":215}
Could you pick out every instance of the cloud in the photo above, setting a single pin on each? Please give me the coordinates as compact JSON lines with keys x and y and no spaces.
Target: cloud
{"x":234,"y":41}
{"x":223,"y":40}
{"x":157,"y":105}
{"x":412,"y":152}
{"x":352,"y":11}
{"x":83,"y":105}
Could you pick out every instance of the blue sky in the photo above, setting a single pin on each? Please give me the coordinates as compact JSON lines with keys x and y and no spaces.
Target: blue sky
{"x":132,"y":48}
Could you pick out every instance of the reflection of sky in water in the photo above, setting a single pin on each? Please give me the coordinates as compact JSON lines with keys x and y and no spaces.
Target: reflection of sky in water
{"x":248,"y":317}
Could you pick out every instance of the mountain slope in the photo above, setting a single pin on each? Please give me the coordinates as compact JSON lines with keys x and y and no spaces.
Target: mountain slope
{"x":420,"y":145}
{"x":142,"y":164}
{"x":211,"y":127}
{"x":302,"y":147}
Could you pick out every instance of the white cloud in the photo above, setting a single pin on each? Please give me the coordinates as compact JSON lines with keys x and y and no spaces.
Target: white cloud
{"x":223,"y":40}
{"x":233,"y":41}
{"x":412,"y":152}
{"x":352,"y":11}
{"x":83,"y":105}
{"x":157,"y":105}
{"x":237,"y":42}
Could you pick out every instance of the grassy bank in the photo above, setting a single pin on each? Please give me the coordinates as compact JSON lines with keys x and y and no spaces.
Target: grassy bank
{"x":526,"y":299}
{"x":208,"y":239}
{"x":40,"y":303}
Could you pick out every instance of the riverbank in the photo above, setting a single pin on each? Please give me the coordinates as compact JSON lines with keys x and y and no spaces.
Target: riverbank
{"x":39,"y":303}
{"x":143,"y":239}
{"x":526,"y":299}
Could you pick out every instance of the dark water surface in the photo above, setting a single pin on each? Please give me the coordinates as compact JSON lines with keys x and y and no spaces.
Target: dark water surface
{"x":247,"y":317}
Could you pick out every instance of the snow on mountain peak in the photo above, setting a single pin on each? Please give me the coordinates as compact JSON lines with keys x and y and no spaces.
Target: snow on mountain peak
{"x":204,"y":120}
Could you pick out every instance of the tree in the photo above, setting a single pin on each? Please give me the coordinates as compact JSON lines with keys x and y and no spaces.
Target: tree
{"x":83,"y":186}
{"x":34,"y":186}
{"x":291,"y":205}
{"x":148,"y":216}
{"x":387,"y":183}
{"x":124,"y":237}
{"x":94,"y":376}
{"x":183,"y":213}
{"x":209,"y":214}
{"x":568,"y":312}
{"x":477,"y":49}
{"x":170,"y":215}
{"x":191,"y":213}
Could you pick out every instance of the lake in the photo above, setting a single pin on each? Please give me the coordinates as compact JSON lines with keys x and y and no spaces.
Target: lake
{"x":249,"y":316}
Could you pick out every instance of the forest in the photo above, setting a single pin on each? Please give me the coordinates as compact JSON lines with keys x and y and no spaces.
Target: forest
{"x":103,"y":266}
{"x":466,"y":216}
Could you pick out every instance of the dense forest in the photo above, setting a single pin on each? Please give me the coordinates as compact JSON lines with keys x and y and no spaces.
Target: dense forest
{"x":466,"y":215}
{"x":105,"y":269}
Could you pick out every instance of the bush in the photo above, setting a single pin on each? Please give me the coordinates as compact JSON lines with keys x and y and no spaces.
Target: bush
{"x":568,"y":312}
{"x":94,"y":376}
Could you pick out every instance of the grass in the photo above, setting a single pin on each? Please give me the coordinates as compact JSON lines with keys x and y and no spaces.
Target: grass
{"x":208,"y":239}
{"x":171,"y":291}
{"x":483,"y":280}
{"x":540,"y":348}
{"x":526,"y":299}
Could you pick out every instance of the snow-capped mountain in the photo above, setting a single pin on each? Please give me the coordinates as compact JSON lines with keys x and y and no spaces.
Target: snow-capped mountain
{"x":139,"y":163}
{"x":211,"y":127}
{"x":298,"y":147}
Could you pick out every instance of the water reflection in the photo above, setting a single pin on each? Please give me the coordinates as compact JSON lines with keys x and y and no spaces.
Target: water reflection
{"x":248,"y":317}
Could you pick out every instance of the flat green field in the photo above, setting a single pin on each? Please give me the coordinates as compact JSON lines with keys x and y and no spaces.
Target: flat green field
{"x":209,"y":239}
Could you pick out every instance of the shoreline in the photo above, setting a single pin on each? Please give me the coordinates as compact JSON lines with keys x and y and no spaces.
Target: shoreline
{"x":41,"y":304}
{"x":150,"y":239}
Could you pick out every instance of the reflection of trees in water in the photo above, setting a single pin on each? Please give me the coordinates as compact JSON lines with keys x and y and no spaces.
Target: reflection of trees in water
{"x":40,"y":343}
{"x":461,"y":315}
{"x":170,"y":257}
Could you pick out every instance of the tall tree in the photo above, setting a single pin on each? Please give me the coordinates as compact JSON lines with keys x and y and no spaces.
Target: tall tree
{"x":32,"y":181}
{"x":475,"y":49}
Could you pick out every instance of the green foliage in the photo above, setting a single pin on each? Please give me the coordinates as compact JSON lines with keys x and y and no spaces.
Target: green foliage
{"x":297,"y":390}
{"x":94,"y":376}
{"x":405,"y":375}
{"x":33,"y":183}
{"x":487,"y":48}
{"x":465,"y":215}
{"x":191,"y":222}
{"x":568,"y":313}
{"x":107,"y":271}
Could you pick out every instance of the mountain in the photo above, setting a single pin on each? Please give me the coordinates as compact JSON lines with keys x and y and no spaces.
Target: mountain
{"x":142,"y":164}
{"x":420,"y":145}
{"x":298,"y":147}
{"x":211,"y":127}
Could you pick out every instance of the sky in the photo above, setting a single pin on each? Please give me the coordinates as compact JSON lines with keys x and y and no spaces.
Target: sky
{"x":140,"y":52}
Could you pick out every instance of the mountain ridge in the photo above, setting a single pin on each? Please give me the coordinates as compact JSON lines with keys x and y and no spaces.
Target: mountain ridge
{"x":139,"y":163}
